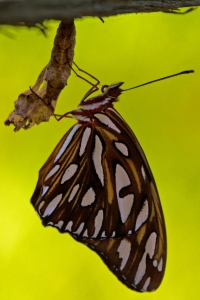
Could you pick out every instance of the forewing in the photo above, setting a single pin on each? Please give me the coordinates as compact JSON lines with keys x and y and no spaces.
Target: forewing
{"x":72,"y":191}
{"x":65,"y":190}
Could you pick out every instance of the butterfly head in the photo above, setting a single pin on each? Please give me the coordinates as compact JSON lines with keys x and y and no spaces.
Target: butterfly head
{"x":112,"y":90}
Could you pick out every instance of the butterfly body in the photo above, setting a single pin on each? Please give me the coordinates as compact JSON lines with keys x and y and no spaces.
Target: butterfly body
{"x":97,"y":185}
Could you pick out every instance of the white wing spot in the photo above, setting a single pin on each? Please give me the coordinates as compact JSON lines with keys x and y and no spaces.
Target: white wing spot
{"x":52,"y":205}
{"x":142,"y":216}
{"x":149,"y":250}
{"x":113,"y":234}
{"x":40,"y":206}
{"x":50,"y":224}
{"x":67,"y":141}
{"x":78,"y":231}
{"x":160,"y":265}
{"x":141,"y":269}
{"x":52,"y":172}
{"x":85,"y":233}
{"x":124,"y":250}
{"x":69,"y":173}
{"x":146,"y":284}
{"x":151,"y":244}
{"x":103,"y":234}
{"x":59,"y":224}
{"x":88,"y":198}
{"x":143,"y":173}
{"x":69,"y":226}
{"x":129,"y":232}
{"x":73,"y":192}
{"x":98,"y":223}
{"x":106,"y":121}
{"x":84,"y":140}
{"x":125,"y":204}
{"x":122,"y":148}
{"x":97,"y":159}
{"x":155,"y":263}
{"x":45,"y":189}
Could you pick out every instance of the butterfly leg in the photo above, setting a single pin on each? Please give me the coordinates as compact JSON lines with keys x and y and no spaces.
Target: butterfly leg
{"x":94,"y":87}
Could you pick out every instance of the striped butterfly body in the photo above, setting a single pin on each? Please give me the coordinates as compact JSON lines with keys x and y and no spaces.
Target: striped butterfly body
{"x":97,"y":185}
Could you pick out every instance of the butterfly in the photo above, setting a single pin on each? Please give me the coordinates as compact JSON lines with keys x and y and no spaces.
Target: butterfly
{"x":97,"y":186}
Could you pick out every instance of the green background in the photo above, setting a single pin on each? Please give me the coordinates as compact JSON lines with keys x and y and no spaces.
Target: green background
{"x":39,"y":263}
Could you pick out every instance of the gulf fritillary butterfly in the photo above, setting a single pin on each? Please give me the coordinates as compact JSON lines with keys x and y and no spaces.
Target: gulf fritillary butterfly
{"x":97,"y":185}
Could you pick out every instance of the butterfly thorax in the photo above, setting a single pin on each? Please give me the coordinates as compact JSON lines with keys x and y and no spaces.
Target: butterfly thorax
{"x":98,"y":104}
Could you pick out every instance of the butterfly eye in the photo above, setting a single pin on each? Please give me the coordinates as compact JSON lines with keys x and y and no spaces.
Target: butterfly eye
{"x":104,"y":87}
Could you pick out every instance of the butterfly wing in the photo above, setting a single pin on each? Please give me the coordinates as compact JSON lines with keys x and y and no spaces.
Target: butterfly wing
{"x":137,"y":260}
{"x":97,"y":185}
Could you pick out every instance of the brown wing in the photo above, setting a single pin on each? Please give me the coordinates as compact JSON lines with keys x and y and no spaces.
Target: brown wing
{"x":97,"y":185}
{"x":137,"y":260}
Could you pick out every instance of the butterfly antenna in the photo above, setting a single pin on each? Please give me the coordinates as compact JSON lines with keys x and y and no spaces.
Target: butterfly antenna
{"x":163,"y":78}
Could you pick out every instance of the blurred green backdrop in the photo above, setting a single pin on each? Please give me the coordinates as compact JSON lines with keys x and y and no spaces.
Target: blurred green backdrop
{"x":39,"y":263}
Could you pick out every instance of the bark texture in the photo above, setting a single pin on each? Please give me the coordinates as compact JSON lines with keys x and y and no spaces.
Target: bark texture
{"x":15,"y":11}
